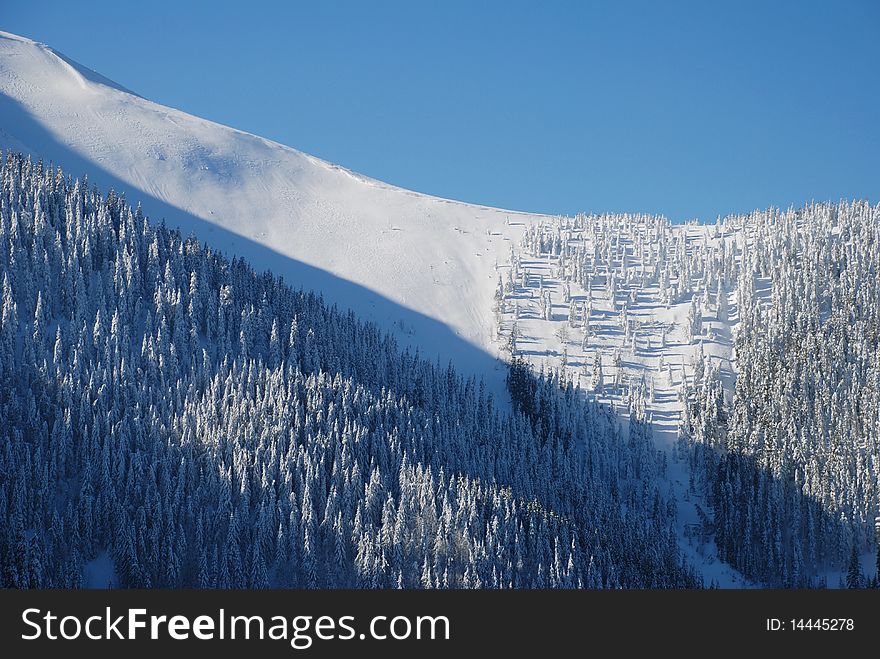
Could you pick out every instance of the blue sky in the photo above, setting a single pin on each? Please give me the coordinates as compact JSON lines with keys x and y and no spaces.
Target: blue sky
{"x":690,"y":109}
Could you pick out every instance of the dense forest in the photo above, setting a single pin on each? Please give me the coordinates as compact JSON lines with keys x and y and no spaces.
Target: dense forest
{"x":791,"y":466}
{"x":205,"y":425}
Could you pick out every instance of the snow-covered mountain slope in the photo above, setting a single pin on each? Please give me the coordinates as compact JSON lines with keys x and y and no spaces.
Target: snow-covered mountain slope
{"x":648,"y":317}
{"x":421,"y":266}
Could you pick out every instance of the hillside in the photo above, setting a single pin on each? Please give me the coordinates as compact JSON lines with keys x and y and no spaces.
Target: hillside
{"x":418,"y":265}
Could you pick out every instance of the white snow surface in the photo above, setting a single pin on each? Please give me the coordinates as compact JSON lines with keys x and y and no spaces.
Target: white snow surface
{"x":420,"y":266}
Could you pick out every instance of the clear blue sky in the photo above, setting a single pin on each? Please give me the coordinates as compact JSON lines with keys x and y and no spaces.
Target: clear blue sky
{"x":685,"y":108}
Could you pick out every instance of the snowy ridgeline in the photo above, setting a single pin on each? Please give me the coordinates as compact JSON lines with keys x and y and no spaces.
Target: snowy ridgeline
{"x":418,"y":266}
{"x":171,"y":418}
{"x":752,"y":347}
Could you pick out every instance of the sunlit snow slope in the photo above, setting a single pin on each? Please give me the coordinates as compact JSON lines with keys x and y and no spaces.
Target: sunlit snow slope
{"x":421,"y":266}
